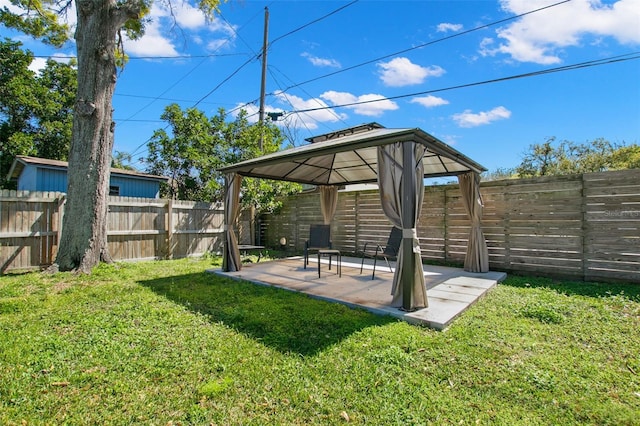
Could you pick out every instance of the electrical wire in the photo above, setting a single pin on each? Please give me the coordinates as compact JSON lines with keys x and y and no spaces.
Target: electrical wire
{"x":201,"y":99}
{"x":367,"y":62}
{"x":572,"y":67}
{"x":312,"y":22}
{"x":128,"y":95}
{"x":181,"y":57}
{"x":297,"y":85}
{"x":420,"y":46}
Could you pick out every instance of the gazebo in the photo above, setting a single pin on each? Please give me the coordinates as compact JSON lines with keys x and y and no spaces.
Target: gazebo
{"x":398,"y":160}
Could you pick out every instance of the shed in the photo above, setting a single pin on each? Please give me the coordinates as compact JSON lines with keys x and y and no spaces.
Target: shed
{"x":41,"y":174}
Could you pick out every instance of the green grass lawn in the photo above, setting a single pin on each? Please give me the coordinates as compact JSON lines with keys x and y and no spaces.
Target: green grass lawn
{"x":165,"y":343}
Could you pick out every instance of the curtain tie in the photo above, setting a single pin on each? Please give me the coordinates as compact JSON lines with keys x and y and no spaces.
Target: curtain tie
{"x":412,"y":233}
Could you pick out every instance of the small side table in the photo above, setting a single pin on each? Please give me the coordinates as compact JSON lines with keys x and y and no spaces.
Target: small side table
{"x":246,"y":247}
{"x":330,"y":253}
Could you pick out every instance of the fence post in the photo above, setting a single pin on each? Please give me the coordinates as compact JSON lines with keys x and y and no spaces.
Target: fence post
{"x":61,"y":203}
{"x":356,"y":215}
{"x":446,"y":225}
{"x":170,"y":228}
{"x":584,"y":230}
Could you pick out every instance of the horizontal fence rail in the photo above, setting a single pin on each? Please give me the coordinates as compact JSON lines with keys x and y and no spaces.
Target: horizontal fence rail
{"x":580,"y":226}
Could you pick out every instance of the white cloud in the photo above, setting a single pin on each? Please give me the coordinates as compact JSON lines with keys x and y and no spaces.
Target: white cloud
{"x":153,"y":43}
{"x":445,"y":27}
{"x":429,"y":101}
{"x":321,"y":62}
{"x":38,"y":64}
{"x":540,"y":37}
{"x":470,"y":119}
{"x":157,"y":39}
{"x":320,"y":112}
{"x":253,"y":112}
{"x":217,"y":44}
{"x":68,"y":15}
{"x":12,"y":8}
{"x":402,"y":72}
{"x":371,"y":105}
{"x":227,"y":30}
{"x":187,"y":16}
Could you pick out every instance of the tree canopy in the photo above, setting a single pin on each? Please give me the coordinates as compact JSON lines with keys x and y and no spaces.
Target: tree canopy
{"x":36,"y":109}
{"x":552,"y":158}
{"x":569,"y":157}
{"x":195,"y":146}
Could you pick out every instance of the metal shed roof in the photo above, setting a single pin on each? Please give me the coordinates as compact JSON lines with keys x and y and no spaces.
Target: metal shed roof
{"x":21,"y":161}
{"x":350,"y":156}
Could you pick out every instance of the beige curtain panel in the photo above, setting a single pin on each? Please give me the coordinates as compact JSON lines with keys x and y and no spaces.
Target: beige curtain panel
{"x":477,"y":258}
{"x":231,"y":261}
{"x":395,"y":178}
{"x":328,"y":202}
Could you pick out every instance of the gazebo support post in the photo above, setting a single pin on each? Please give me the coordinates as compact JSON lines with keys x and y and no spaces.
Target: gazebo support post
{"x":408,"y":197}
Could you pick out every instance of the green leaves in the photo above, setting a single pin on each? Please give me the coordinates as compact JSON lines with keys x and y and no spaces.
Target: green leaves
{"x":567,"y":157}
{"x":40,"y":20}
{"x":196,"y":146}
{"x":36,"y":110}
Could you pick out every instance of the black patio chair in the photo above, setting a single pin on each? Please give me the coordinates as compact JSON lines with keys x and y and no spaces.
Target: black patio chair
{"x":319,"y":239}
{"x":388,"y":251}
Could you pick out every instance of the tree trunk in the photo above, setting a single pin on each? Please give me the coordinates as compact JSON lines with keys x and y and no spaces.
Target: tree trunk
{"x":83,"y":242}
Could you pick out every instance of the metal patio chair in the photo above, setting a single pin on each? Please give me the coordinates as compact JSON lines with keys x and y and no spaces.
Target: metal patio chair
{"x":387,"y":251}
{"x":319,"y":239}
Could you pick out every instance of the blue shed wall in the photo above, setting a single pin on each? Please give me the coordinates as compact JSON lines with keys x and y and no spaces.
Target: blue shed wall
{"x":132,"y":187}
{"x":35,"y":178}
{"x":52,"y":180}
{"x":28,"y":179}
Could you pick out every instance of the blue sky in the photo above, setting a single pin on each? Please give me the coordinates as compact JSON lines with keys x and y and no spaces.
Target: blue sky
{"x":410,"y":56}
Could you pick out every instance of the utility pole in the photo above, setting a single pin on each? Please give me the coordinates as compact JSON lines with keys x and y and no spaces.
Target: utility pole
{"x":264,"y":70}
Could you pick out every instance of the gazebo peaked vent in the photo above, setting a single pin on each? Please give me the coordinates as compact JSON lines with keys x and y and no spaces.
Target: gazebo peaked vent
{"x":398,"y":160}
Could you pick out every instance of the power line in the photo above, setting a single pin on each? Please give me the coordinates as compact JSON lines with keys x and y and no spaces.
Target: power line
{"x":482,"y":27}
{"x":213,"y":55}
{"x":128,"y":95}
{"x":363,"y":63}
{"x":313,"y":22}
{"x":581,"y":65}
{"x":461,"y":33}
{"x":191,"y":71}
{"x":258,"y":54}
{"x":248,"y":61}
{"x":196,"y":103}
{"x":587,"y":64}
{"x":315,"y":99}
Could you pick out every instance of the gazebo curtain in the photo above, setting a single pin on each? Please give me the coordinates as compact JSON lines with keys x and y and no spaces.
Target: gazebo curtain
{"x":231,"y":261}
{"x":477,"y":258}
{"x":328,"y":202}
{"x":400,"y":179}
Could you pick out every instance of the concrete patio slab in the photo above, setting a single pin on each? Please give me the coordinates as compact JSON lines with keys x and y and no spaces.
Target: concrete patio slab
{"x":450,"y":291}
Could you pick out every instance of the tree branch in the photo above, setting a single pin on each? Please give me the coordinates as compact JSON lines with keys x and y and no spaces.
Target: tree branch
{"x":128,"y":10}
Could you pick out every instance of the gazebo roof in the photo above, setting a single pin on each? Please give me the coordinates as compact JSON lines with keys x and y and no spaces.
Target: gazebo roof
{"x":350,"y":156}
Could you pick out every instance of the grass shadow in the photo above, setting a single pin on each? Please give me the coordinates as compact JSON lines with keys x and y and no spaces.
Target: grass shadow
{"x":281,"y":319}
{"x":581,"y":288}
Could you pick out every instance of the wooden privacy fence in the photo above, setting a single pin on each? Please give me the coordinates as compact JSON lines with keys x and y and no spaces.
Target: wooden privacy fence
{"x":581,"y":226}
{"x":138,"y":228}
